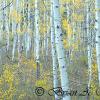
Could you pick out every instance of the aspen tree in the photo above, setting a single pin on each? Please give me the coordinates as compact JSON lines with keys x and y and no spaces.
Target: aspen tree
{"x":27,"y":35}
{"x":14,"y":34}
{"x":97,"y":7}
{"x":88,"y":43}
{"x":18,"y":32}
{"x":54,"y":54}
{"x":37,"y":37}
{"x":60,"y":48}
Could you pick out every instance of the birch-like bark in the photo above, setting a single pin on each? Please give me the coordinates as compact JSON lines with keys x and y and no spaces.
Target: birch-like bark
{"x":7,"y":28}
{"x":14,"y":45}
{"x":19,"y":50}
{"x":37,"y":38}
{"x":14,"y":36}
{"x":97,"y":6}
{"x":19,"y":36}
{"x":47,"y":38}
{"x":7,"y":38}
{"x":54,"y":54}
{"x":27,"y":43}
{"x":89,"y":49}
{"x":28,"y":38}
{"x":60,"y":48}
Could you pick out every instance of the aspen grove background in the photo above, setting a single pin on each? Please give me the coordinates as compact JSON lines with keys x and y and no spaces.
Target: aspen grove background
{"x":49,"y":44}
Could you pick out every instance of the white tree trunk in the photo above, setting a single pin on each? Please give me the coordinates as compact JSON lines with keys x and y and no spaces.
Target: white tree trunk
{"x":47,"y":38}
{"x":14,"y":45}
{"x":7,"y":28}
{"x":19,"y":36}
{"x":37,"y":36}
{"x":7,"y":37}
{"x":54,"y":54}
{"x":27,"y":43}
{"x":97,"y":5}
{"x":89,"y":49}
{"x":60,"y":48}
{"x":27,"y":36}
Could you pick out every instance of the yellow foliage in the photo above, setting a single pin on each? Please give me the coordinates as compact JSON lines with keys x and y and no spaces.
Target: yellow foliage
{"x":1,"y":81}
{"x":31,"y":63}
{"x":94,"y":70}
{"x":95,"y":67}
{"x":75,"y":46}
{"x":78,"y":4}
{"x":77,"y":17}
{"x":21,"y":96}
{"x":44,"y":81}
{"x":65,"y":1}
{"x":67,"y":27}
{"x":16,"y":16}
{"x":78,"y":1}
{"x":62,"y":9}
{"x":19,"y":32}
{"x":8,"y":76}
{"x":65,"y":43}
{"x":43,"y":28}
{"x":41,"y":82}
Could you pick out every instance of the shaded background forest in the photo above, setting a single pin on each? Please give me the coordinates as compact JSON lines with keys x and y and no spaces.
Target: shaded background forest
{"x":26,"y":50}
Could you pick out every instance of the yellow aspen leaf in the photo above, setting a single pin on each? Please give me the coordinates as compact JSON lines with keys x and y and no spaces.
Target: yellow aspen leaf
{"x":65,"y":43}
{"x":67,"y":27}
